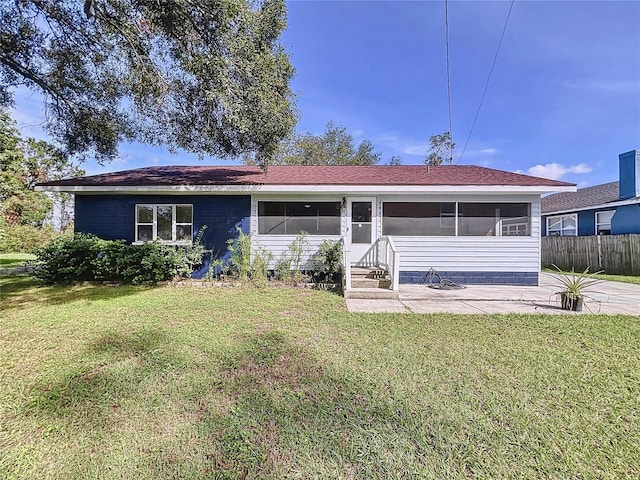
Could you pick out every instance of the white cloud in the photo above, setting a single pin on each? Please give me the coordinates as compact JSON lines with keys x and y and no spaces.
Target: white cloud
{"x":489,"y":151}
{"x":416,"y":149}
{"x":556,"y":171}
{"x":602,"y":85}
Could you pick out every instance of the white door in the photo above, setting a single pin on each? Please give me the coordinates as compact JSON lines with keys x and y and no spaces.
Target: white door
{"x":362,"y":229}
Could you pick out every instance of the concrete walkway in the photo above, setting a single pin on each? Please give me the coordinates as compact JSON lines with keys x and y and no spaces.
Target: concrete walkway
{"x":606,"y":298}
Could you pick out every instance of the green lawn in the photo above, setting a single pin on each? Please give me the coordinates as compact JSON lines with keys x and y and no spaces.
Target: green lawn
{"x":190,"y":383}
{"x":605,"y":276}
{"x":14,"y":259}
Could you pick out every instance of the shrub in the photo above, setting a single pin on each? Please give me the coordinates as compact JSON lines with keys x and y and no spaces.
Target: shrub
{"x":328,"y":261}
{"x":89,"y":258}
{"x":289,"y":265}
{"x":240,"y":258}
{"x":149,"y":263}
{"x":25,"y":238}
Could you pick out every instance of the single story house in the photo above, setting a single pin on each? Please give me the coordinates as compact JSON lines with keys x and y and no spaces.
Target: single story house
{"x":607,"y":209}
{"x":472,"y":224}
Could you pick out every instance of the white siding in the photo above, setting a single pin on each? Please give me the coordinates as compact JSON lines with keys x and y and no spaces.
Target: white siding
{"x":469,"y":254}
{"x":487,"y":254}
{"x":473,"y":254}
{"x":278,"y":245}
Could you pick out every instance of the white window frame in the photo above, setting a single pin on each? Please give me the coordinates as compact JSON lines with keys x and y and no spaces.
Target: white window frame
{"x":600,"y":224}
{"x":562,"y":217}
{"x":154,"y":223}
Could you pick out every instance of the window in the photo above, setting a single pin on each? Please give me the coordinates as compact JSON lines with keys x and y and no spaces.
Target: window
{"x":603,"y":222}
{"x":493,"y":219}
{"x":169,"y":223}
{"x":562,"y":226}
{"x":292,"y":218}
{"x":418,"y":218}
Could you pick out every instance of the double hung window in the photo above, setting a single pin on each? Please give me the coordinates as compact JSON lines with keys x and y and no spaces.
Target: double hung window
{"x":562,"y":226}
{"x":168,"y":223}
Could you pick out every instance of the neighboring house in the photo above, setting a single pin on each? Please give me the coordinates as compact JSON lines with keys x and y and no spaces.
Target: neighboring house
{"x":472,"y":224}
{"x":607,"y":209}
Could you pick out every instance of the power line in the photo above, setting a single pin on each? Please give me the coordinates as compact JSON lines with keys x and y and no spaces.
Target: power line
{"x":446,"y":41}
{"x":486,"y":86}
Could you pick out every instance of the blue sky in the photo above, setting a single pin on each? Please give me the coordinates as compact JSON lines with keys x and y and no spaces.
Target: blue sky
{"x":563,"y":100}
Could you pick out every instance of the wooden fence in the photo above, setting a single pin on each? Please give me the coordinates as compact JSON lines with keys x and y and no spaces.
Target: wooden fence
{"x":616,"y":254}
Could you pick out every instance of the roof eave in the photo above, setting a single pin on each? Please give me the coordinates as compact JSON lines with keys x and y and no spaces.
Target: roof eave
{"x":248,"y":189}
{"x":618,"y":203}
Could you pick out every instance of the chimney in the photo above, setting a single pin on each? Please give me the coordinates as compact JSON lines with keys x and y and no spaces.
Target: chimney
{"x":629,"y":174}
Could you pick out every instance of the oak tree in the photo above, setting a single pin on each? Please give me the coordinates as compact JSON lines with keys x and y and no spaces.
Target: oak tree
{"x":207,"y":76}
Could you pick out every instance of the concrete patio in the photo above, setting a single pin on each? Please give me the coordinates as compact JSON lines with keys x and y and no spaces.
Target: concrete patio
{"x":604,"y":298}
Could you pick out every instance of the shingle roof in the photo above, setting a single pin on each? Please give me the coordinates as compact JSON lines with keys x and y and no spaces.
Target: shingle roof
{"x":310,"y":175}
{"x":583,"y":198}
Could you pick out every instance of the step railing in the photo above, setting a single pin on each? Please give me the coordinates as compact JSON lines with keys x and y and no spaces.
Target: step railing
{"x":388,"y":256}
{"x":346,"y":267}
{"x":383,"y":253}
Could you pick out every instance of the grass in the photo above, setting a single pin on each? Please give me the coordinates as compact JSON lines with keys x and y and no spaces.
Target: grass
{"x":190,"y":383}
{"x":8,"y":260}
{"x":605,"y":276}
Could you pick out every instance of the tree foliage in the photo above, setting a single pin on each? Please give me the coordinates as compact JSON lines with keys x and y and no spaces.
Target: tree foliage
{"x":205,"y":76}
{"x":333,"y":147}
{"x":440,"y":150}
{"x":23,"y":163}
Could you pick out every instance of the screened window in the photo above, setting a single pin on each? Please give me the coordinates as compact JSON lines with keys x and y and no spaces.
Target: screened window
{"x":292,"y":218}
{"x":169,"y":223}
{"x":562,"y":226}
{"x":493,"y":219}
{"x":418,"y":218}
{"x":603,"y":222}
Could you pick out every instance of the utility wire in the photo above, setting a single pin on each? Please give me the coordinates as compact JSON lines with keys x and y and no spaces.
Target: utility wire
{"x":446,"y":41}
{"x":486,"y":86}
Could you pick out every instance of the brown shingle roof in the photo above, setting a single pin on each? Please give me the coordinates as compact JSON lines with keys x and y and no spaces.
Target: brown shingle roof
{"x":309,"y":175}
{"x":583,"y":198}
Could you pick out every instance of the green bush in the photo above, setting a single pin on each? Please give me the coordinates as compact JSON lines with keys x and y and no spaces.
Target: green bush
{"x":89,"y":258}
{"x":240,"y":254}
{"x":149,"y":263}
{"x":25,"y":238}
{"x":328,"y":262}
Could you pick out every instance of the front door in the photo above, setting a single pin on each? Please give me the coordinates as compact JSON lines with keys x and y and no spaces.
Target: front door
{"x":362,"y":229}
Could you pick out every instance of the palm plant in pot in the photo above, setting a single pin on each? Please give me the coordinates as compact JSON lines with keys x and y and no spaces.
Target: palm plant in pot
{"x":573,"y":286}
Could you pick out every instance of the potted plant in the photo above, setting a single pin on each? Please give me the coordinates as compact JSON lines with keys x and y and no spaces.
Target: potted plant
{"x":573,"y":286}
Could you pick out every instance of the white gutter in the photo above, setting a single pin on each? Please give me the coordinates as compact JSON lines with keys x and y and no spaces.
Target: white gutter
{"x":341,"y":189}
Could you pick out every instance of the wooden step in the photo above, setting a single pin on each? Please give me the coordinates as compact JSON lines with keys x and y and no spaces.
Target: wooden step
{"x":363,"y":282}
{"x":368,"y":272}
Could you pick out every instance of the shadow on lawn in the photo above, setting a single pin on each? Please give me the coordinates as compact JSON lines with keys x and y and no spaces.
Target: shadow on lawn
{"x":119,"y":363}
{"x":16,"y":291}
{"x":267,"y":410}
{"x":284,"y":405}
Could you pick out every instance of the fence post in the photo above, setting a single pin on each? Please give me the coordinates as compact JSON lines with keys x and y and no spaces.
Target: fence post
{"x":599,"y":252}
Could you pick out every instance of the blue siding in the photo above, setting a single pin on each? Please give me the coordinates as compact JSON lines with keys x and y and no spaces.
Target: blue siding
{"x":629,"y":175}
{"x":626,"y":220}
{"x":112,"y":217}
{"x":587,"y":222}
